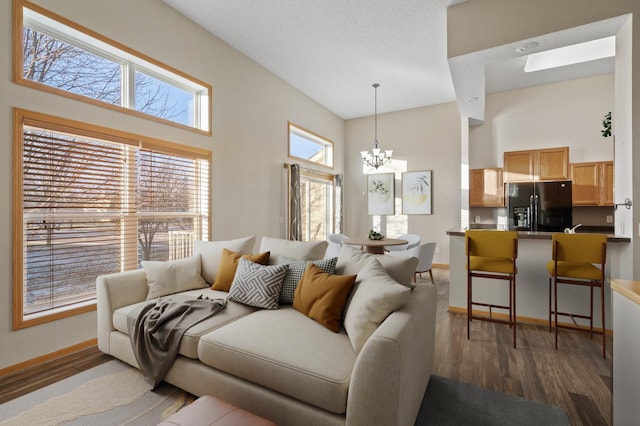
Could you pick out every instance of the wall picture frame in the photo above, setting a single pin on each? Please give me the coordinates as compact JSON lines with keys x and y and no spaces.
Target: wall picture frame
{"x":381,"y":194}
{"x":416,"y":192}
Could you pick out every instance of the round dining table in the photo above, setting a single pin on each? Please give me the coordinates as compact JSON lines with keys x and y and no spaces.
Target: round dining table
{"x":374,"y":246}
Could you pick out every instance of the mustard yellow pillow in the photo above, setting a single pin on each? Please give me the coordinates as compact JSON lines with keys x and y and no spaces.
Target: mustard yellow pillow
{"x":321,"y":296}
{"x":228,"y":265}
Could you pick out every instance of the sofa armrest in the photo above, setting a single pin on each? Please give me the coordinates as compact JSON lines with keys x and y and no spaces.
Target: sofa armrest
{"x":393,"y":368}
{"x":114,"y":291}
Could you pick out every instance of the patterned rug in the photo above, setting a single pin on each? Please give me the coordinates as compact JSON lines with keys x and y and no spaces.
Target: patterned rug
{"x":109,"y":394}
{"x":116,"y":394}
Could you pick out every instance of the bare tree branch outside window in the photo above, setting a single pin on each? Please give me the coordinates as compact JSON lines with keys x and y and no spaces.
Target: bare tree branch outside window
{"x":61,"y":65}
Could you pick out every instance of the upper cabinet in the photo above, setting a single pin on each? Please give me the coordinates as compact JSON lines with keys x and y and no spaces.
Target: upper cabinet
{"x":592,"y":183}
{"x":486,"y":188}
{"x":536,"y":164}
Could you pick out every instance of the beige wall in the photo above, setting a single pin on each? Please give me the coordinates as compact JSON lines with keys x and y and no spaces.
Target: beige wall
{"x":251,"y":108}
{"x":425,"y":138}
{"x":561,"y":114}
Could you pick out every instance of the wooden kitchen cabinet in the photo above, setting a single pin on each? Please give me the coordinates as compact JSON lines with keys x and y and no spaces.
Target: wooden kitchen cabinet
{"x":486,"y":188}
{"x":536,"y":164}
{"x":606,"y":185}
{"x":592,"y":183}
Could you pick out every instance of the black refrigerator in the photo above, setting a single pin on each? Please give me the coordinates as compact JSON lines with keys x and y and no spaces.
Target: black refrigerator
{"x":539,"y":206}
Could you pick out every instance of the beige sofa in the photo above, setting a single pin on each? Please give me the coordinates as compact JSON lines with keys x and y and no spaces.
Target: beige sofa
{"x":283,"y":365}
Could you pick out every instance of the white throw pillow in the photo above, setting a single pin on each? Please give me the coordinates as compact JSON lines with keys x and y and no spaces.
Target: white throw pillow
{"x":299,"y":250}
{"x":257,"y":285}
{"x":374,"y":296}
{"x":211,"y":252}
{"x":352,"y":261}
{"x":173,"y":276}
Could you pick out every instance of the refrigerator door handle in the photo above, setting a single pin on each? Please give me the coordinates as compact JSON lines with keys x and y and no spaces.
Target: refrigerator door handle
{"x":532,"y":214}
{"x":536,"y":205}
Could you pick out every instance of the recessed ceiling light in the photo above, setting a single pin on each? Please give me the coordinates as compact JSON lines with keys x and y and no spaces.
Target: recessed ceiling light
{"x":527,"y":47}
{"x":574,"y":54}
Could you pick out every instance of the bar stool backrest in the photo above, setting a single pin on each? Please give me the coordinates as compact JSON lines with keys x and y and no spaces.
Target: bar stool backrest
{"x":491,"y":243}
{"x":579,"y":248}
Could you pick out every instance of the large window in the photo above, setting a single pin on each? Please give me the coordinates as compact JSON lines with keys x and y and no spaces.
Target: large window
{"x":57,"y":55}
{"x":91,"y":201}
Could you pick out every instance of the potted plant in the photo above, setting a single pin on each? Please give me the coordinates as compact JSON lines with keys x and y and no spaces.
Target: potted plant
{"x":606,"y":125}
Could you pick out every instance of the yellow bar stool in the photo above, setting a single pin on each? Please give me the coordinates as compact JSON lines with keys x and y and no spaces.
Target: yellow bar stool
{"x":577,"y":259}
{"x":492,"y":254}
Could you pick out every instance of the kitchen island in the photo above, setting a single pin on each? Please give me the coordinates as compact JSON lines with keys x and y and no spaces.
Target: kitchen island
{"x":532,"y":281}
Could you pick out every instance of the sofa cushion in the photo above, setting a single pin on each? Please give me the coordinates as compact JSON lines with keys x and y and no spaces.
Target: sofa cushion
{"x":229,"y":264}
{"x":189,"y":342}
{"x":401,"y":269}
{"x":173,"y":276}
{"x":300,"y":250}
{"x":374,"y":296}
{"x":211,"y":252}
{"x":295,"y":272}
{"x":287,"y":352}
{"x":322,"y":296}
{"x":257,"y":285}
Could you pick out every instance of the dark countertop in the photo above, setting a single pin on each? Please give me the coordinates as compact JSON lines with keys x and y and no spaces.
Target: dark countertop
{"x":458,"y":231}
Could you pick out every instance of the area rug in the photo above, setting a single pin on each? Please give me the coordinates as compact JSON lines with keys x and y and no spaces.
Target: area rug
{"x":109,"y":394}
{"x":116,"y":394}
{"x":448,"y":403}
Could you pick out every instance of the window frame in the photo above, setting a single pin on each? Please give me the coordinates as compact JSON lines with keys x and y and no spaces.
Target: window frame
{"x":24,"y":118}
{"x":313,"y":137}
{"x":129,"y":59}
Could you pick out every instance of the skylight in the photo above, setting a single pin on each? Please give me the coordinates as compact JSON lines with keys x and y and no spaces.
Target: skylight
{"x":574,"y":54}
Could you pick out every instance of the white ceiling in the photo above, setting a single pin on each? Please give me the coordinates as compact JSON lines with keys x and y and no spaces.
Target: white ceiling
{"x":334,"y":50}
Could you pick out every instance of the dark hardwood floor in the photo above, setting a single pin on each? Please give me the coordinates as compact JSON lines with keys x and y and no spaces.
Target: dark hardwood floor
{"x":22,"y":382}
{"x":575,"y":377}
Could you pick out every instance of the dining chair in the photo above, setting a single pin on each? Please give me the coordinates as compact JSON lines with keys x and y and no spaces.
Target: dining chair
{"x":424,"y":253}
{"x":492,"y":254}
{"x":577,"y":259}
{"x":412,"y":239}
{"x":335,"y":243}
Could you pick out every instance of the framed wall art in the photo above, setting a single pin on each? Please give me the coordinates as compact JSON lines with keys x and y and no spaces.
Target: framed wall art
{"x":380,"y":194}
{"x":416,"y":192}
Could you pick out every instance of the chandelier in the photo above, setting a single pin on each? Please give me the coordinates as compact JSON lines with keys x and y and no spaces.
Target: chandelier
{"x":376,"y":157}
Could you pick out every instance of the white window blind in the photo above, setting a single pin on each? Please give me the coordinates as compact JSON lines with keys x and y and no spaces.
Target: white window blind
{"x":93,"y":203}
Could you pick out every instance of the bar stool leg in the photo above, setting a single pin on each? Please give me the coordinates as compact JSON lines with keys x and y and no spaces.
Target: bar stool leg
{"x":591,"y":289}
{"x":468,"y":305}
{"x":510,"y":302}
{"x":555,"y":307}
{"x":550,"y":310}
{"x":604,"y":329}
{"x":513,"y":283}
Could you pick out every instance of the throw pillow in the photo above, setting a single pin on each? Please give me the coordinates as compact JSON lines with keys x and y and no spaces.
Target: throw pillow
{"x":374,"y":296}
{"x":229,"y":265}
{"x":401,"y":269}
{"x":295,"y":272}
{"x":300,"y":250}
{"x":173,"y":276}
{"x":322,"y":296}
{"x":257,"y":285}
{"x":211,"y":253}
